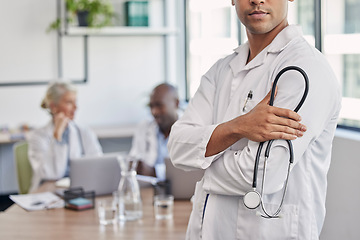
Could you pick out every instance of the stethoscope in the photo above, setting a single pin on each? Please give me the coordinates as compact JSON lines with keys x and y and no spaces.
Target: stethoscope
{"x":253,"y":199}
{"x":80,"y":139}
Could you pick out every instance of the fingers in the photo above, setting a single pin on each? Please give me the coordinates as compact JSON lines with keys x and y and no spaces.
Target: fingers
{"x":61,"y":118}
{"x":282,"y":135}
{"x":268,"y":96}
{"x":286,"y":113}
{"x":286,"y":132}
{"x":292,"y":122}
{"x":285,"y":127}
{"x":282,"y":116}
{"x":266,"y":122}
{"x":266,"y":99}
{"x":278,"y":123}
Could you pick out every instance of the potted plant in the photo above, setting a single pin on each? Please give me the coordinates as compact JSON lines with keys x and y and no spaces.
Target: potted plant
{"x":90,"y":13}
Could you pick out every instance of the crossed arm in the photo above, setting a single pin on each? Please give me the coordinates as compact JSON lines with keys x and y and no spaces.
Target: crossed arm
{"x":262,"y":123}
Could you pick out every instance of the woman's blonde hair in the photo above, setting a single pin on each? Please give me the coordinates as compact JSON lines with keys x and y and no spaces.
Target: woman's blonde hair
{"x":54,"y":93}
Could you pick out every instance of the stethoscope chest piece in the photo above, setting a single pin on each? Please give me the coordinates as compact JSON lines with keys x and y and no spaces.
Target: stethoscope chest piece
{"x":252,"y":199}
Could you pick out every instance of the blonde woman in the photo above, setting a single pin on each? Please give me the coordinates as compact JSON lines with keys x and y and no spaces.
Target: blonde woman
{"x":51,"y":146}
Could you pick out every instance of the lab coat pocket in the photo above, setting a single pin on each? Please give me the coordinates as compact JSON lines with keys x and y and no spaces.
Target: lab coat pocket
{"x":285,"y":227}
{"x":195,"y":222}
{"x":255,"y":227}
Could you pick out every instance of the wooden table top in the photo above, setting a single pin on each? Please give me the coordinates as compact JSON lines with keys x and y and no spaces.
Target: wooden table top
{"x":17,"y":223}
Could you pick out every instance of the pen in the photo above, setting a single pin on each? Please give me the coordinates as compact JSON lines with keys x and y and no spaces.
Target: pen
{"x":37,"y":203}
{"x":249,"y":97}
{"x":49,"y":205}
{"x":53,"y":204}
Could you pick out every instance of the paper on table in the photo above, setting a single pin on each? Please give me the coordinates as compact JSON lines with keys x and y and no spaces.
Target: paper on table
{"x":64,"y":182}
{"x":148,"y":179}
{"x":38,"y":201}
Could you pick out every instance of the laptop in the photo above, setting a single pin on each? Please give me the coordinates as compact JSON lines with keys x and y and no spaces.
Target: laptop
{"x":100,"y":174}
{"x":182,"y":182}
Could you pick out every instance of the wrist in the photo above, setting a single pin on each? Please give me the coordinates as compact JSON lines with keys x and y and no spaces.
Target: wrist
{"x":237,"y":128}
{"x":57,"y":136}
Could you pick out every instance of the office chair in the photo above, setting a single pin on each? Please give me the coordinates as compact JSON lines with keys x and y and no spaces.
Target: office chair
{"x":23,"y":167}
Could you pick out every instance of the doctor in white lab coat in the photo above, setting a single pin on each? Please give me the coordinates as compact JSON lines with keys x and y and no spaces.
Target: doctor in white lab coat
{"x":150,"y":140}
{"x":51,"y":146}
{"x":221,"y":129}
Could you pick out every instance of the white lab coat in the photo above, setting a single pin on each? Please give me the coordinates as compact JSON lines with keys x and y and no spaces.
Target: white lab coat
{"x":49,"y":157}
{"x":144,"y":144}
{"x":228,"y":176}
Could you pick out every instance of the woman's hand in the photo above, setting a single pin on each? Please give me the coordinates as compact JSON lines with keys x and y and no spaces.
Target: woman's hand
{"x":60,"y":124}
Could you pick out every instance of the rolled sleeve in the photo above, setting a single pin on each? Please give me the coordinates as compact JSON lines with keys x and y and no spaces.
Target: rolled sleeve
{"x":187,"y":147}
{"x":190,"y":135}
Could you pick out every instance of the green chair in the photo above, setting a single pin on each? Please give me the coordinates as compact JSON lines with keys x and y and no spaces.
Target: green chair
{"x":23,"y":167}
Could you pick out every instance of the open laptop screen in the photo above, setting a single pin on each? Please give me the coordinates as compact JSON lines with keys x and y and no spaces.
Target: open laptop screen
{"x":100,"y":174}
{"x":182,"y":182}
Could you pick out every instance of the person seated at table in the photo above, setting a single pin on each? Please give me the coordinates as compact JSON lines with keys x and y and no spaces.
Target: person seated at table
{"x":149,"y":143}
{"x":51,"y":146}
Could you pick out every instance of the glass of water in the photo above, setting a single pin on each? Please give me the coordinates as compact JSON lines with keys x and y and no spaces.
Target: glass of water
{"x":107,"y":211}
{"x":163,"y":206}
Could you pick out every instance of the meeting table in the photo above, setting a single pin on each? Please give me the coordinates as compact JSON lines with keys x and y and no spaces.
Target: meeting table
{"x":60,"y":223}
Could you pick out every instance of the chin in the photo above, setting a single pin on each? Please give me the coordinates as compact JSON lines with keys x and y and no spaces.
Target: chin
{"x":260,"y":29}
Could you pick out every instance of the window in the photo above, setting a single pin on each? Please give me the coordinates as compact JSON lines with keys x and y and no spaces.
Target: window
{"x":303,"y":13}
{"x":214,"y":31}
{"x":341,"y":38}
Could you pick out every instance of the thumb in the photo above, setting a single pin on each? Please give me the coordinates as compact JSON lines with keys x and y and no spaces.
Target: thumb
{"x":268,"y":96}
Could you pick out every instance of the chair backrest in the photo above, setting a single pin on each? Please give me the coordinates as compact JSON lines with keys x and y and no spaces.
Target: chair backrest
{"x":23,"y":167}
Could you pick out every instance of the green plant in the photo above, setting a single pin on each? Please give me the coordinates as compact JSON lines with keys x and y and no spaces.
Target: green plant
{"x":99,"y":13}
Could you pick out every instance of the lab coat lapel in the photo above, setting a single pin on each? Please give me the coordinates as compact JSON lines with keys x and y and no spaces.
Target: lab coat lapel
{"x":233,"y":109}
{"x":151,"y":144}
{"x":241,"y":73}
{"x":74,"y":141}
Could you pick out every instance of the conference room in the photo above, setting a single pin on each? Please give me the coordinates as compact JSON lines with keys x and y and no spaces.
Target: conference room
{"x":117,"y":61}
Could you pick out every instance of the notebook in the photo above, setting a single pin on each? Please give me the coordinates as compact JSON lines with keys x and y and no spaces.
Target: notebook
{"x":182,"y":182}
{"x":100,"y":174}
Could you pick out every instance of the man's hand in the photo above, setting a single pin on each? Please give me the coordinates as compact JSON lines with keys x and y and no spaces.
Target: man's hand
{"x":144,"y":169}
{"x":265,"y":122}
{"x":60,"y":124}
{"x":262,"y":123}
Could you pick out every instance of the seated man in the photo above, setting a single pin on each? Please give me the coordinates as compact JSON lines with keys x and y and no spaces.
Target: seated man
{"x":149,"y":144}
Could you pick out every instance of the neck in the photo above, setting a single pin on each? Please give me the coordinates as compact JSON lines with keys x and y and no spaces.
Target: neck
{"x":165,"y":131}
{"x":257,"y":42}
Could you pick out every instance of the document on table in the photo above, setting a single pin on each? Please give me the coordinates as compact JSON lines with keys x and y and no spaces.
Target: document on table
{"x":148,"y":179}
{"x":63,"y":183}
{"x":38,"y":201}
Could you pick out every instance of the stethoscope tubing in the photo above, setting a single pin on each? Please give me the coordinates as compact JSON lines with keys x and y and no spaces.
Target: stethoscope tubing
{"x":306,"y":89}
{"x":269,"y":143}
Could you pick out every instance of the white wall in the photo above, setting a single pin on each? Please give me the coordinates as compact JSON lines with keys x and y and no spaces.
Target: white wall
{"x":122,"y":70}
{"x":343,"y":196}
